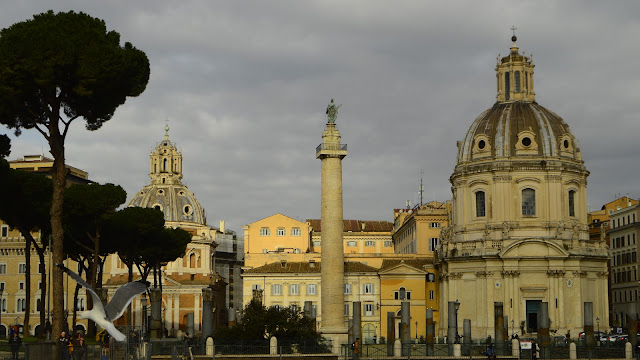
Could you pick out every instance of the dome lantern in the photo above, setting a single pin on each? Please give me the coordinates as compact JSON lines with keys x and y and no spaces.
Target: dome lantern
{"x":514,"y":74}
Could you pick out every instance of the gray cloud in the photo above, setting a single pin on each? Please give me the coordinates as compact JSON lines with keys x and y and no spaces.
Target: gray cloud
{"x":244,"y":86}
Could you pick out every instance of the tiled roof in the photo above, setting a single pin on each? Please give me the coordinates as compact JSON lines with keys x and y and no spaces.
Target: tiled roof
{"x":415,"y":263}
{"x":356,"y":225}
{"x":290,"y":267}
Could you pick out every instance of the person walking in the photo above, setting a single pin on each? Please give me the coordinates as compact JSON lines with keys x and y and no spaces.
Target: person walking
{"x":356,"y":348}
{"x":15,"y":341}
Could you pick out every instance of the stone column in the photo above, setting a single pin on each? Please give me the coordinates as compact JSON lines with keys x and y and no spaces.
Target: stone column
{"x":543,"y":330}
{"x":190,"y":324}
{"x":331,"y":153}
{"x":357,"y":321}
{"x":207,"y":312}
{"x":588,"y":325}
{"x":405,"y":327}
{"x":391,"y":332}
{"x":430,"y":331}
{"x":155,"y":327}
{"x":498,"y":334}
{"x":466,"y":338}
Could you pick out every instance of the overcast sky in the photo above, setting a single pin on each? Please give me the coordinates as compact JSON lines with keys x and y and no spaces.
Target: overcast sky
{"x":245,"y":85}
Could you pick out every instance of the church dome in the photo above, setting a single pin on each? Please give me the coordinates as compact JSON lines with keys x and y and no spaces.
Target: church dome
{"x":166,"y":191}
{"x":516,"y":126}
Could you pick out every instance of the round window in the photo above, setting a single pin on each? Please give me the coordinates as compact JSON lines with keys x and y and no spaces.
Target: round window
{"x":566,"y":144}
{"x":187,"y":209}
{"x":481,"y":144}
{"x":160,"y":192}
{"x":526,"y":141}
{"x":157,"y":207}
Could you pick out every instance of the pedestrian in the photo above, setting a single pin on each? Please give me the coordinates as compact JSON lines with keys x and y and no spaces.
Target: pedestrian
{"x":534,"y":351}
{"x":356,"y":348}
{"x":79,"y":347}
{"x":63,"y":341}
{"x":491,"y":352}
{"x":186,"y":341}
{"x":15,"y":341}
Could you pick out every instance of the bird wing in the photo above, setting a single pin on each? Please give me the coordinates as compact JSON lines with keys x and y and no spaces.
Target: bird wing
{"x":97,"y":302}
{"x":122,"y":297}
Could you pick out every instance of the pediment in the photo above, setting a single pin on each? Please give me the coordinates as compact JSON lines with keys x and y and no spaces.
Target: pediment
{"x":402,"y":269}
{"x":534,"y":248}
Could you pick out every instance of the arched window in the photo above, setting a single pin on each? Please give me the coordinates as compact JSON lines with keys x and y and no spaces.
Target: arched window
{"x":572,"y":203}
{"x":526,"y":81}
{"x":507,"y":86}
{"x":402,"y":293}
{"x":192,"y":261}
{"x":480,"y":204}
{"x":528,"y":202}
{"x":164,"y":166}
{"x":516,"y":79}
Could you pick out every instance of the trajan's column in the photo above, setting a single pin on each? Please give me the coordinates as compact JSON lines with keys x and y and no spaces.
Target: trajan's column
{"x":331,"y":152}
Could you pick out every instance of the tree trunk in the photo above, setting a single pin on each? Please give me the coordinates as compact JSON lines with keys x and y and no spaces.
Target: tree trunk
{"x":27,"y":283}
{"x":59,"y":177}
{"x":43,"y":287}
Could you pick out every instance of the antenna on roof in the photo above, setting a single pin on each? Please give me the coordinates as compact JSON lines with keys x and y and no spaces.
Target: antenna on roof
{"x":408,"y":204}
{"x":421,"y":187}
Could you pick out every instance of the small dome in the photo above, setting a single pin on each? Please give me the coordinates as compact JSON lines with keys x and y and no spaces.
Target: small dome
{"x":176,"y":202}
{"x":518,"y":129}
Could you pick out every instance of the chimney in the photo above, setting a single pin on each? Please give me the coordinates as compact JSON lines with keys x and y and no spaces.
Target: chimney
{"x":364,"y":225}
{"x":312,"y":263}
{"x":283,"y":263}
{"x":222,"y":226}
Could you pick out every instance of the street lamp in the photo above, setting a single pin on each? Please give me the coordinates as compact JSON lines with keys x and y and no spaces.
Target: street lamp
{"x":513,"y":327}
{"x":416,"y":331}
{"x":598,"y":322}
{"x":1,"y":307}
{"x":143,"y":302}
{"x":456,"y":306}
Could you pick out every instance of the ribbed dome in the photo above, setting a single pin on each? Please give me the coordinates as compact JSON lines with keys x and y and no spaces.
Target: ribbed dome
{"x":519,"y":128}
{"x":166,"y":191}
{"x":176,"y":201}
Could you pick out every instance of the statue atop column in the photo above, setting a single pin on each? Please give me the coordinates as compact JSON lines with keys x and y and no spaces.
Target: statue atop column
{"x":332,"y":112}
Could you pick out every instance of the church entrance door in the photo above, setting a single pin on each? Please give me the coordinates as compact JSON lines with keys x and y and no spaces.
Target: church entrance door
{"x":533,"y":306}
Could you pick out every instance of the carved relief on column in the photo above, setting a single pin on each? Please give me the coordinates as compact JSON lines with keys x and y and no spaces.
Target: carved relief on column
{"x":455,"y":275}
{"x":506,"y":227}
{"x":484,"y":274}
{"x":603,"y":274}
{"x":580,"y":274}
{"x":487,"y":232}
{"x":560,"y":228}
{"x":207,"y":294}
{"x":555,"y":273}
{"x":555,"y":178}
{"x":502,"y":178}
{"x":510,"y":273}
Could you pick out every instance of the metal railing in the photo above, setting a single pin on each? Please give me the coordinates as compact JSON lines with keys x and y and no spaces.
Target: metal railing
{"x":324,"y":146}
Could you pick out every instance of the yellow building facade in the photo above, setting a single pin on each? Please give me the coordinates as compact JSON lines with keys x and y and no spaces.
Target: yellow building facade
{"x":417,"y":230}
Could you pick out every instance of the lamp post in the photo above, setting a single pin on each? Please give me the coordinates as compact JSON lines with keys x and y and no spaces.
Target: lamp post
{"x":1,"y":307}
{"x":513,"y":327}
{"x":456,"y":306}
{"x":416,"y":332}
{"x":598,"y":322}
{"x":143,"y":302}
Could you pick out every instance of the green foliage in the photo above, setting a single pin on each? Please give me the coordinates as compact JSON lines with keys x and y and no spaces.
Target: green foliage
{"x":260,"y":322}
{"x":26,"y":200}
{"x":86,"y":208}
{"x":66,"y":61}
{"x":5,"y":146}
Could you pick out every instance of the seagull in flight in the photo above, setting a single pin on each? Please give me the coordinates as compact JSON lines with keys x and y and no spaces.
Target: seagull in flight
{"x":105,"y":315}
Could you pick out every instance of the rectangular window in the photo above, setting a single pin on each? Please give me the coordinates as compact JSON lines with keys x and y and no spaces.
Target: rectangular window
{"x":38,"y":304}
{"x":528,"y":202}
{"x":368,"y":309}
{"x":294,"y":289}
{"x":396,"y":295}
{"x":352,"y":244}
{"x":431,"y":295}
{"x":265,"y":231}
{"x":346,"y":309}
{"x":368,"y":288}
{"x":434,"y":225}
{"x":295,"y":231}
{"x":281,"y":232}
{"x":347,"y":289}
{"x":20,"y":305}
{"x":316,"y":243}
{"x":5,"y":231}
{"x":22,"y":268}
{"x":572,"y":209}
{"x":3,"y":305}
{"x":408,"y":294}
{"x":21,"y":285}
{"x":3,"y":268}
{"x":388,"y":243}
{"x":480,"y":204}
{"x":294,"y":307}
{"x":255,"y":287}
{"x":2,"y":286}
{"x":276,"y":289}
{"x":311,"y":289}
{"x":433,"y":244}
{"x":369,"y":243}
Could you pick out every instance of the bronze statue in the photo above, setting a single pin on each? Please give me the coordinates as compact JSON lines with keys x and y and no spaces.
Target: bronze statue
{"x":332,"y":112}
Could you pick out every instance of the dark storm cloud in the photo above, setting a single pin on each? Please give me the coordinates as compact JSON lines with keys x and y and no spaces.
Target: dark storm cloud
{"x":245,"y":84}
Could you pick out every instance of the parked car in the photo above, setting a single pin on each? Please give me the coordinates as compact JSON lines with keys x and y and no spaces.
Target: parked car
{"x":613,"y":338}
{"x":623,"y":338}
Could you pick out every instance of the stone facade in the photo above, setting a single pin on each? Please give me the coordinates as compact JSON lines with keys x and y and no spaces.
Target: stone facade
{"x":519,"y":231}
